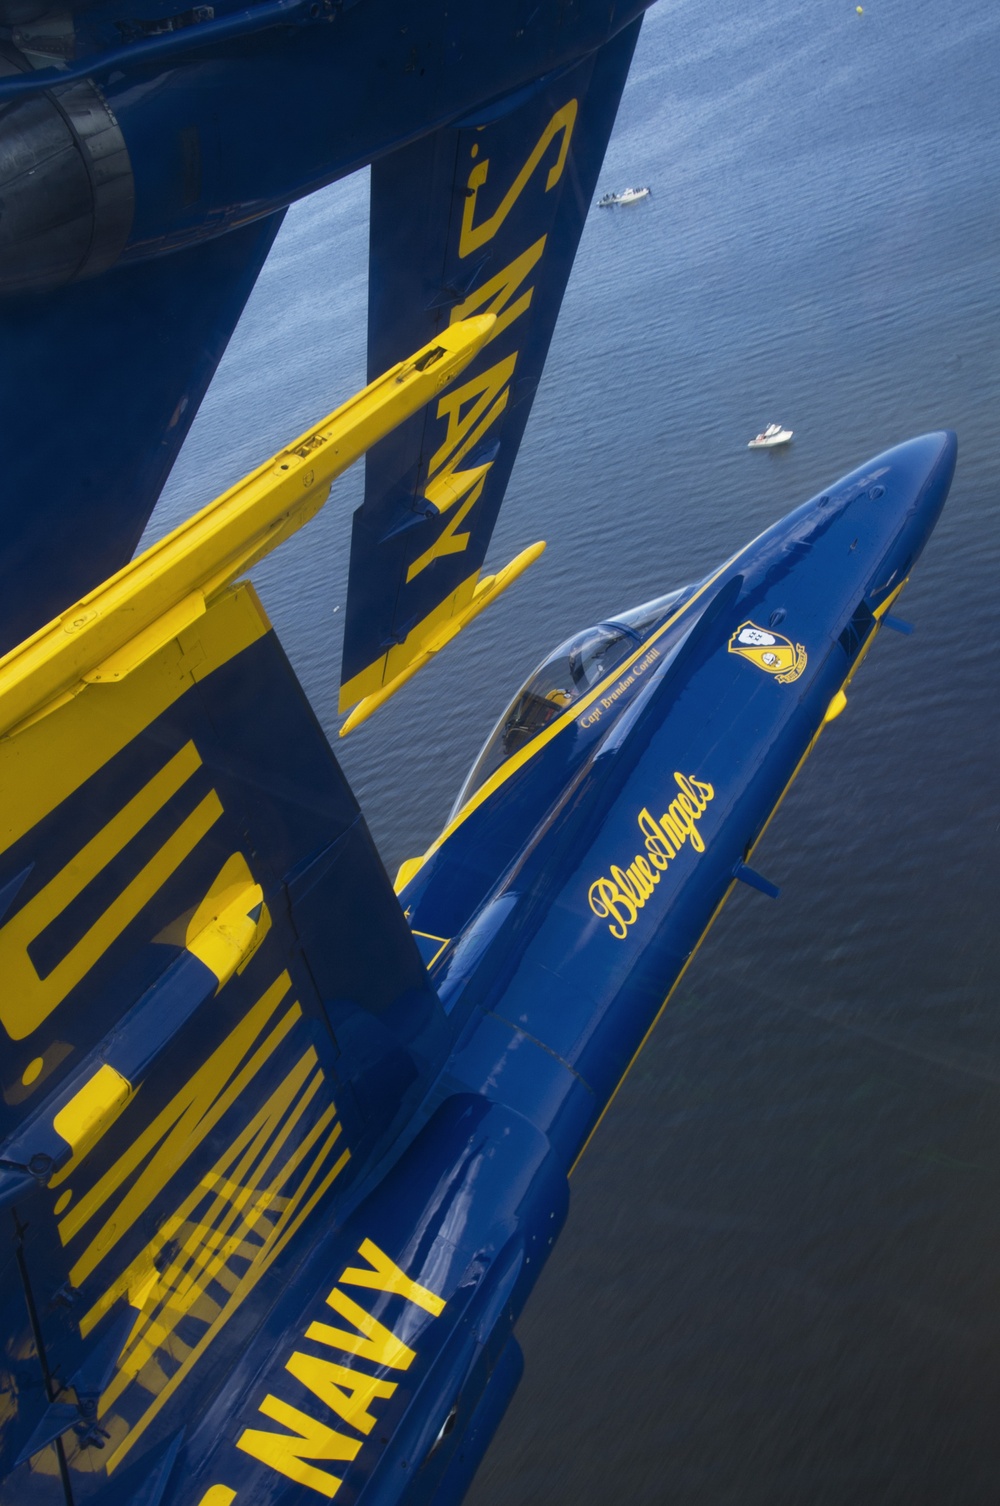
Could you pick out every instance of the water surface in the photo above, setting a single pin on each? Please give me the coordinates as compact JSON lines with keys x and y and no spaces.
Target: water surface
{"x":779,"y":1278}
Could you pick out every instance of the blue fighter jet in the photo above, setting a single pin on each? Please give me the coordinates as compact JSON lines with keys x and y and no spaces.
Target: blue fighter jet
{"x":147,"y":157}
{"x":283,"y":1154}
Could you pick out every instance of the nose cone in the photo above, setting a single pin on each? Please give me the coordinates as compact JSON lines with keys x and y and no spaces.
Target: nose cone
{"x":930,"y":455}
{"x":913,"y":482}
{"x":925,"y":467}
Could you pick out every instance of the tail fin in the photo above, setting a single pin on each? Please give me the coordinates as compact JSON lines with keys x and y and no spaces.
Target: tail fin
{"x":213,"y":1005}
{"x":482,"y":216}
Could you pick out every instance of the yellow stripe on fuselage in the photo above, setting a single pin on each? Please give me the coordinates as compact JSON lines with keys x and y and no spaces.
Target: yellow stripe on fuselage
{"x":880,"y":612}
{"x":518,"y":760}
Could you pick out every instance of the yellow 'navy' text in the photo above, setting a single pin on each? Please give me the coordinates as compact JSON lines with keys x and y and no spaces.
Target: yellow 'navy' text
{"x":472,"y":409}
{"x":342,"y":1385}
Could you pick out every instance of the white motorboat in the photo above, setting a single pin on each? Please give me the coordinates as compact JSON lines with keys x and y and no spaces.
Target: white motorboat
{"x":773,"y":435}
{"x":627,"y":196}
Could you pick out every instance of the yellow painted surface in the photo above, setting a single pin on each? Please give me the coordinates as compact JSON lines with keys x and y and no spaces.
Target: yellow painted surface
{"x":218,"y":1495}
{"x":496,"y":295}
{"x":231,"y":1227}
{"x":223,"y":933}
{"x":290,"y":1453}
{"x":485,"y":592}
{"x":92,"y":1110}
{"x":147,"y":1164}
{"x":307,"y":1195}
{"x":467,"y":413}
{"x":50,"y":759}
{"x":27,"y":999}
{"x":619,"y":895}
{"x":407,"y":869}
{"x":349,"y":1393}
{"x":836,"y":706}
{"x":394,"y":661}
{"x":138,"y":649}
{"x":57,"y":753}
{"x":473,"y":236}
{"x":442,"y":942}
{"x":383,"y":1275}
{"x":770,"y":651}
{"x":224,"y":1224}
{"x":231,"y":533}
{"x":372,"y":1340}
{"x":890,"y":600}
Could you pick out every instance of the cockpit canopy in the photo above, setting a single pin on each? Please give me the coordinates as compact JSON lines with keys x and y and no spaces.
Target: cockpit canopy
{"x":572,"y":669}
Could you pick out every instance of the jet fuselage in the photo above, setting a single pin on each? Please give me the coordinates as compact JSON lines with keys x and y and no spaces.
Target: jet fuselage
{"x":612,"y":810}
{"x":578,"y":878}
{"x":174,"y":137}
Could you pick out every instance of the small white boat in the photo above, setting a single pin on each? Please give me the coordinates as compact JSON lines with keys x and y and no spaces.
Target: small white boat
{"x":627,"y":196}
{"x":773,"y":435}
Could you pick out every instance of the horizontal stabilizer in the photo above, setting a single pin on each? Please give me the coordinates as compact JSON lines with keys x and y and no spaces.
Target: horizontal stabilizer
{"x":482,"y":216}
{"x":57,"y":1419}
{"x":88,"y":1384}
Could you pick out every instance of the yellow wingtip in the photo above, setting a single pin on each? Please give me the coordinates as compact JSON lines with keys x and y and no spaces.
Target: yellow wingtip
{"x":486,"y":592}
{"x":117,"y":626}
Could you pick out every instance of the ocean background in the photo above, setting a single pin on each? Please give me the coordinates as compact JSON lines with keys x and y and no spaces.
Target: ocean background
{"x":780,"y":1278}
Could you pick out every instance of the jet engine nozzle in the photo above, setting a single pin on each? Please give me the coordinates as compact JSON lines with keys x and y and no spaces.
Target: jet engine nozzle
{"x":66,"y":187}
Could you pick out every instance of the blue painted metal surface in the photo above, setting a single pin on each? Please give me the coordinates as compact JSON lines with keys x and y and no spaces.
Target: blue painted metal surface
{"x":100,"y":384}
{"x":482,"y":216}
{"x":317,"y":1219}
{"x":280,"y":1160}
{"x":220,"y":1026}
{"x":145,"y":156}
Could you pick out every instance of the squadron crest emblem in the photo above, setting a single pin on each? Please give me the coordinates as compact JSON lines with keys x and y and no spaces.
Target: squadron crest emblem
{"x":771,"y":652}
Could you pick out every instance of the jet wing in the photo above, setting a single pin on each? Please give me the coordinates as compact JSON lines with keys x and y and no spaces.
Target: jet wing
{"x":100,"y":382}
{"x":483,"y":216}
{"x":212,"y":1004}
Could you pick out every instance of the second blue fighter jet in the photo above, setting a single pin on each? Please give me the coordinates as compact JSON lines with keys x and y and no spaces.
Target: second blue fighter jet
{"x":282,"y":1163}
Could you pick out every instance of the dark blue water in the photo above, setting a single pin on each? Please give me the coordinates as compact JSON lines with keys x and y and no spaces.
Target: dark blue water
{"x":780,"y":1281}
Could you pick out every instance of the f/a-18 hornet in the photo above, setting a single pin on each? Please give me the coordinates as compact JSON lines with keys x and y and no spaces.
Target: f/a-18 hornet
{"x":284,"y":1146}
